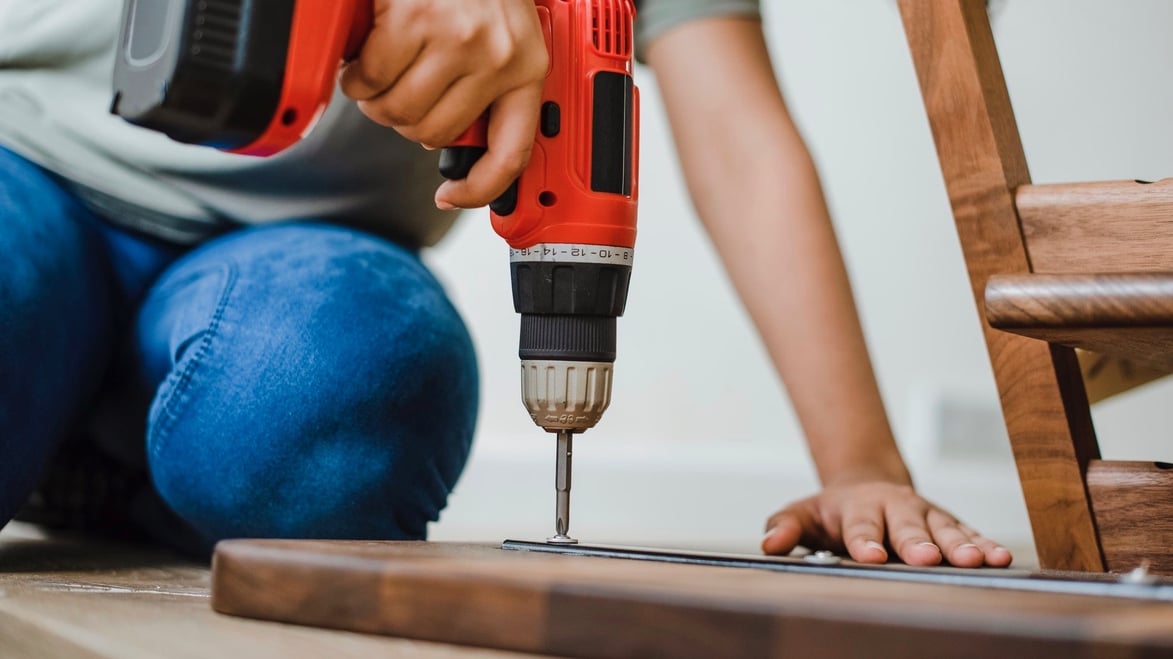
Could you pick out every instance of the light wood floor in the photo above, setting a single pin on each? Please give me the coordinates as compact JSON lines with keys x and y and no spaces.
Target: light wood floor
{"x":69,"y":597}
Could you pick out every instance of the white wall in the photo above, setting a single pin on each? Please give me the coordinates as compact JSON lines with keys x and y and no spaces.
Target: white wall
{"x":700,"y":445}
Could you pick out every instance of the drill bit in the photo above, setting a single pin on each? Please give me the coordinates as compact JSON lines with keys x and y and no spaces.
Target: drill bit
{"x":562,"y":485}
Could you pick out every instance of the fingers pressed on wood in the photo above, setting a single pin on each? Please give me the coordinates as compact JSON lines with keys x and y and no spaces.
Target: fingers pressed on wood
{"x":784,"y":534}
{"x":996,"y":555}
{"x":909,"y":535}
{"x":956,"y":545}
{"x":863,"y":533}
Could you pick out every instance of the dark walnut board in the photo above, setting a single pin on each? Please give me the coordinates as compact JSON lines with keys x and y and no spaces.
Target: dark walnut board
{"x":599,"y":607}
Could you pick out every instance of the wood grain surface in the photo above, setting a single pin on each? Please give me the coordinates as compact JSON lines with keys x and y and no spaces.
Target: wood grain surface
{"x":1103,"y":226}
{"x":1126,"y":315}
{"x":1080,"y":300}
{"x":1124,"y":496}
{"x":67,"y":597}
{"x":1149,"y":347}
{"x":600,"y":607}
{"x":978,"y":146}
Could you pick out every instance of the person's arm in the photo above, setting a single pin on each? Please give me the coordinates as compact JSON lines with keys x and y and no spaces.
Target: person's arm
{"x":755,"y":187}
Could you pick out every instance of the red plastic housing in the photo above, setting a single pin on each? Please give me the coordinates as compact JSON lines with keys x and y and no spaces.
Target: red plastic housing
{"x":556,"y":203}
{"x":324,"y":33}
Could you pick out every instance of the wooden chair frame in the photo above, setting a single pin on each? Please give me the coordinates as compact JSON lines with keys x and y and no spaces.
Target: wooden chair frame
{"x":1057,"y":265}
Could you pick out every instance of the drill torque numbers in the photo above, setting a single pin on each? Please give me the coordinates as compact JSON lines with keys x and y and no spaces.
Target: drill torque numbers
{"x":573,"y":253}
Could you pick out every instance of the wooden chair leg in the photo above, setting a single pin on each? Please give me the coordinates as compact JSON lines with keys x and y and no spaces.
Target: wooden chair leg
{"x":1043,"y":399}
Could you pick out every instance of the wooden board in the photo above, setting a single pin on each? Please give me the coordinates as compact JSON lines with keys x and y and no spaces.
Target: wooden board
{"x":70,"y":597}
{"x":600,"y":607}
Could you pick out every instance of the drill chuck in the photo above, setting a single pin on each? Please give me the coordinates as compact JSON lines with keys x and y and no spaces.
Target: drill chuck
{"x":569,"y":296}
{"x":568,"y":337}
{"x":565,"y":395}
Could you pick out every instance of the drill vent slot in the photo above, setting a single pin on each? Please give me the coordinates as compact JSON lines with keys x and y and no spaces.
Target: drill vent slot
{"x":215,"y":32}
{"x":611,"y":27}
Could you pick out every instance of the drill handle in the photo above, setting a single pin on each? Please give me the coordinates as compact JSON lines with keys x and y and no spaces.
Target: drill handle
{"x":458,"y":158}
{"x":361,"y":24}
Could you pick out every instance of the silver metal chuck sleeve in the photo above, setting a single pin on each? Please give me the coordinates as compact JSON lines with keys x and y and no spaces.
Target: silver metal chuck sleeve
{"x":565,"y":395}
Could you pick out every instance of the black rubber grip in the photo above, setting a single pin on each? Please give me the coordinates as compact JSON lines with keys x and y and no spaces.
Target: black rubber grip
{"x":457,"y":161}
{"x":594,"y":289}
{"x":567,"y":338}
{"x":507,"y":202}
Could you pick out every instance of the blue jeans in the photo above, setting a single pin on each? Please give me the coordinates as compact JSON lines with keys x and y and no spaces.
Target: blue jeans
{"x":292,"y":380}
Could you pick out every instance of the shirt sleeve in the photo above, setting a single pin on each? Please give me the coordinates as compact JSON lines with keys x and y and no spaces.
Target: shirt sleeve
{"x":655,"y":17}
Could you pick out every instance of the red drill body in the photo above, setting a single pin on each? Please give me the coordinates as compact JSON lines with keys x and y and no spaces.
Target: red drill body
{"x":253,"y":77}
{"x":581,"y":186}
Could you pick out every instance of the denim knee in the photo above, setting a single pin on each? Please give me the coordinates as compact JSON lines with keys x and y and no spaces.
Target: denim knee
{"x":321,"y":385}
{"x":55,"y":321}
{"x":54,"y":267}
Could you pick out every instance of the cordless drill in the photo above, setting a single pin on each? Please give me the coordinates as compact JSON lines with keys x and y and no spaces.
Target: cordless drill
{"x":253,"y":76}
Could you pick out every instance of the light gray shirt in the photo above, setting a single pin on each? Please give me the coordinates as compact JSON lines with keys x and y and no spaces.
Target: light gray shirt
{"x":656,"y":17}
{"x":56,"y":60}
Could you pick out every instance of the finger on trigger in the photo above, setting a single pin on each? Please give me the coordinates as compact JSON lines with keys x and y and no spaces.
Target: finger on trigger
{"x":513,"y":123}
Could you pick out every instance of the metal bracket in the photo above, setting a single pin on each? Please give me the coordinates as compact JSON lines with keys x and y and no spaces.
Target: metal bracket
{"x":1068,"y":583}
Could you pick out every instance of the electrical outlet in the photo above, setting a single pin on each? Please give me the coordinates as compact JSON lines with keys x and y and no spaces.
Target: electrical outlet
{"x":967,"y":426}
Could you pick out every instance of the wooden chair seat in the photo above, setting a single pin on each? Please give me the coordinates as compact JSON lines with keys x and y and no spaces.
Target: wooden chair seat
{"x":1052,"y":268}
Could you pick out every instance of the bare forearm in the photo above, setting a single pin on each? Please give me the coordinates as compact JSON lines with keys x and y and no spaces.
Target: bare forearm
{"x":782,"y":255}
{"x":756,"y":189}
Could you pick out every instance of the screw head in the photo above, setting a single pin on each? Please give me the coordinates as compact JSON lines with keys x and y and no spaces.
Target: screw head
{"x":1139,"y":575}
{"x":822,"y":557}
